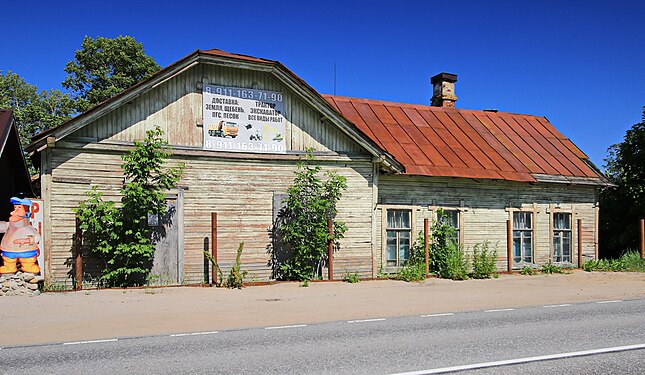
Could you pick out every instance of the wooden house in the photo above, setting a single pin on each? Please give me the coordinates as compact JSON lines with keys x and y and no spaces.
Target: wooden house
{"x":13,"y":169}
{"x":240,"y":124}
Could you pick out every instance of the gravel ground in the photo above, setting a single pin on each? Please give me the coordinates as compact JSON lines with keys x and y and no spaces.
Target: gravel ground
{"x":104,"y":314}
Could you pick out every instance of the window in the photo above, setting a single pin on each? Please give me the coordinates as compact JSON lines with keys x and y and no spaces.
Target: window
{"x":562,"y":237}
{"x":398,"y":237}
{"x":451,"y":217}
{"x":522,"y":237}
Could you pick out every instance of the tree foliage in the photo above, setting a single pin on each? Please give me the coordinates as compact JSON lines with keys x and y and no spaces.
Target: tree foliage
{"x":445,"y":257}
{"x":34,"y":111}
{"x":120,"y":235}
{"x":621,"y":207}
{"x":104,"y":67}
{"x":310,"y":201}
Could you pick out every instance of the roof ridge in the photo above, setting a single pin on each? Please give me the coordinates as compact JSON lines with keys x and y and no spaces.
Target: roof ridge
{"x":425,"y":106}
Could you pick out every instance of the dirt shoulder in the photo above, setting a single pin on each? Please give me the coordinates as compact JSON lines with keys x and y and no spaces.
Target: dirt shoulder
{"x":105,"y":314}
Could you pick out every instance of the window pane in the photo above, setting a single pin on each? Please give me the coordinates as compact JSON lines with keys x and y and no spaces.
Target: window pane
{"x":557,"y":246}
{"x":517,"y":248}
{"x":566,"y":247}
{"x":522,"y":220}
{"x":526,"y":246}
{"x":390,"y":219}
{"x":390,"y":252}
{"x":397,"y":219}
{"x":404,"y":246}
{"x":450,"y":217}
{"x":405,"y":219}
{"x":562,"y":221}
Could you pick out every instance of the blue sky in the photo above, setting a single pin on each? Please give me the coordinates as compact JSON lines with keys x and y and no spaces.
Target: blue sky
{"x":579,"y":63}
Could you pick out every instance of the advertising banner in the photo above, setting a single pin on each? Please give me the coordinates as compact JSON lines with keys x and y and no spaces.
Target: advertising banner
{"x":243,"y":120}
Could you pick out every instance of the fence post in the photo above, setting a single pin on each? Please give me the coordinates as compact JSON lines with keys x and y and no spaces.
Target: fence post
{"x":214,"y":248}
{"x":509,"y":245}
{"x":425,"y":245}
{"x":642,"y":238}
{"x":78,"y":259}
{"x":579,"y":243}
{"x":330,"y":249}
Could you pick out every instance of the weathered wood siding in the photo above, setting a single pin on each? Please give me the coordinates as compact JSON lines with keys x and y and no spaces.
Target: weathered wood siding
{"x":486,"y":205}
{"x":240,"y":188}
{"x":176,"y":106}
{"x":240,"y":191}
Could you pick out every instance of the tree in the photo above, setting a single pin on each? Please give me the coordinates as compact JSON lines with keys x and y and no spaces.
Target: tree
{"x":621,"y":207}
{"x":120,"y":236}
{"x":310,"y":201}
{"x":104,"y":67}
{"x":34,"y":112}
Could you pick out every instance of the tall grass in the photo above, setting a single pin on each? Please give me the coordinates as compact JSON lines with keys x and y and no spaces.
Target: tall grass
{"x":630,"y":261}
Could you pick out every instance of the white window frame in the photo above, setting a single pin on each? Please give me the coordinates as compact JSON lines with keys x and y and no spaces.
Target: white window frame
{"x":560,"y":238}
{"x":384,"y":228}
{"x":410,"y":230}
{"x":523,"y":231}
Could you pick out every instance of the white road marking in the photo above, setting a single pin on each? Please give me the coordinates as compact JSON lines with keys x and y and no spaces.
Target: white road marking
{"x":612,"y":301}
{"x":193,"y":334}
{"x":283,"y":327}
{"x":561,"y":305}
{"x":366,"y":320}
{"x":496,"y":310}
{"x":90,"y":342}
{"x":433,"y":315}
{"x":524,"y":360}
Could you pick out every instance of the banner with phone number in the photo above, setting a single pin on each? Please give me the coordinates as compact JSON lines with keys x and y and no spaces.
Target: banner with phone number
{"x":243,"y":120}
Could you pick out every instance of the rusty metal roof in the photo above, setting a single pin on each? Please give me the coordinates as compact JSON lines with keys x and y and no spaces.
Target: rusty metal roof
{"x":453,"y":142}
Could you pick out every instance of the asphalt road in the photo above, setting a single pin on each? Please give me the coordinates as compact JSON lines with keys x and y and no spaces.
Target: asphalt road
{"x":605,"y":337}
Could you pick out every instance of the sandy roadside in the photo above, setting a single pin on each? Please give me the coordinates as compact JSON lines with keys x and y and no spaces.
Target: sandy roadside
{"x":104,"y":314}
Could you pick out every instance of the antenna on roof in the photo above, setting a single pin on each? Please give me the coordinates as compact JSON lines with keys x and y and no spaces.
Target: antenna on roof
{"x":334,"y":79}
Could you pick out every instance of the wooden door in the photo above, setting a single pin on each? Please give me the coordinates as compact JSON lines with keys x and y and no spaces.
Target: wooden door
{"x":167,"y":266}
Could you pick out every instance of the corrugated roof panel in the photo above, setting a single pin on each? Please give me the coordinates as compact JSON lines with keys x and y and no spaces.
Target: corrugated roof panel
{"x":374,"y":122}
{"x":383,"y":114}
{"x":482,"y":151}
{"x":350,"y":113}
{"x":450,"y":142}
{"x":555,"y":158}
{"x":535,"y":147}
{"x":503,"y":158}
{"x":509,"y":139}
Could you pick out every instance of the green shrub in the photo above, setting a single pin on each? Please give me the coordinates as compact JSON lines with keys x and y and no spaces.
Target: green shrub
{"x":412,"y":271}
{"x":445,"y":257}
{"x":526,"y":270}
{"x":631,"y":261}
{"x":119,"y":236}
{"x":456,"y":265}
{"x":351,"y":278}
{"x":483,"y":261}
{"x":235,"y":279}
{"x":590,"y":265}
{"x":550,"y":268}
{"x":310,"y":201}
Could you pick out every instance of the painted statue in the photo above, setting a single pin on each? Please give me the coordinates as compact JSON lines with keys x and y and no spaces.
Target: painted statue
{"x":20,"y":241}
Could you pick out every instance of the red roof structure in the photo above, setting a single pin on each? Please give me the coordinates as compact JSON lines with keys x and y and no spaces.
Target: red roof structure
{"x":452,"y":142}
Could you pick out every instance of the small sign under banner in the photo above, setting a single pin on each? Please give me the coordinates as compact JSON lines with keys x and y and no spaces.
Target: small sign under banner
{"x":243,"y":120}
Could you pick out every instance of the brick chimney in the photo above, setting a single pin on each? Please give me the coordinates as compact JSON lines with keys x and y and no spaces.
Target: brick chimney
{"x":443,"y":90}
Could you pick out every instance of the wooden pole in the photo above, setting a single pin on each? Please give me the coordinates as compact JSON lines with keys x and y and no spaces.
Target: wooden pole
{"x":425,"y":245}
{"x":330,"y":249}
{"x":642,"y":238}
{"x":214,"y":242}
{"x":78,"y":259}
{"x":509,"y":245}
{"x":579,"y":243}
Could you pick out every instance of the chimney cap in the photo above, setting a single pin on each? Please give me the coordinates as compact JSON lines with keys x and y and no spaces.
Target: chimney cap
{"x":443,"y":77}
